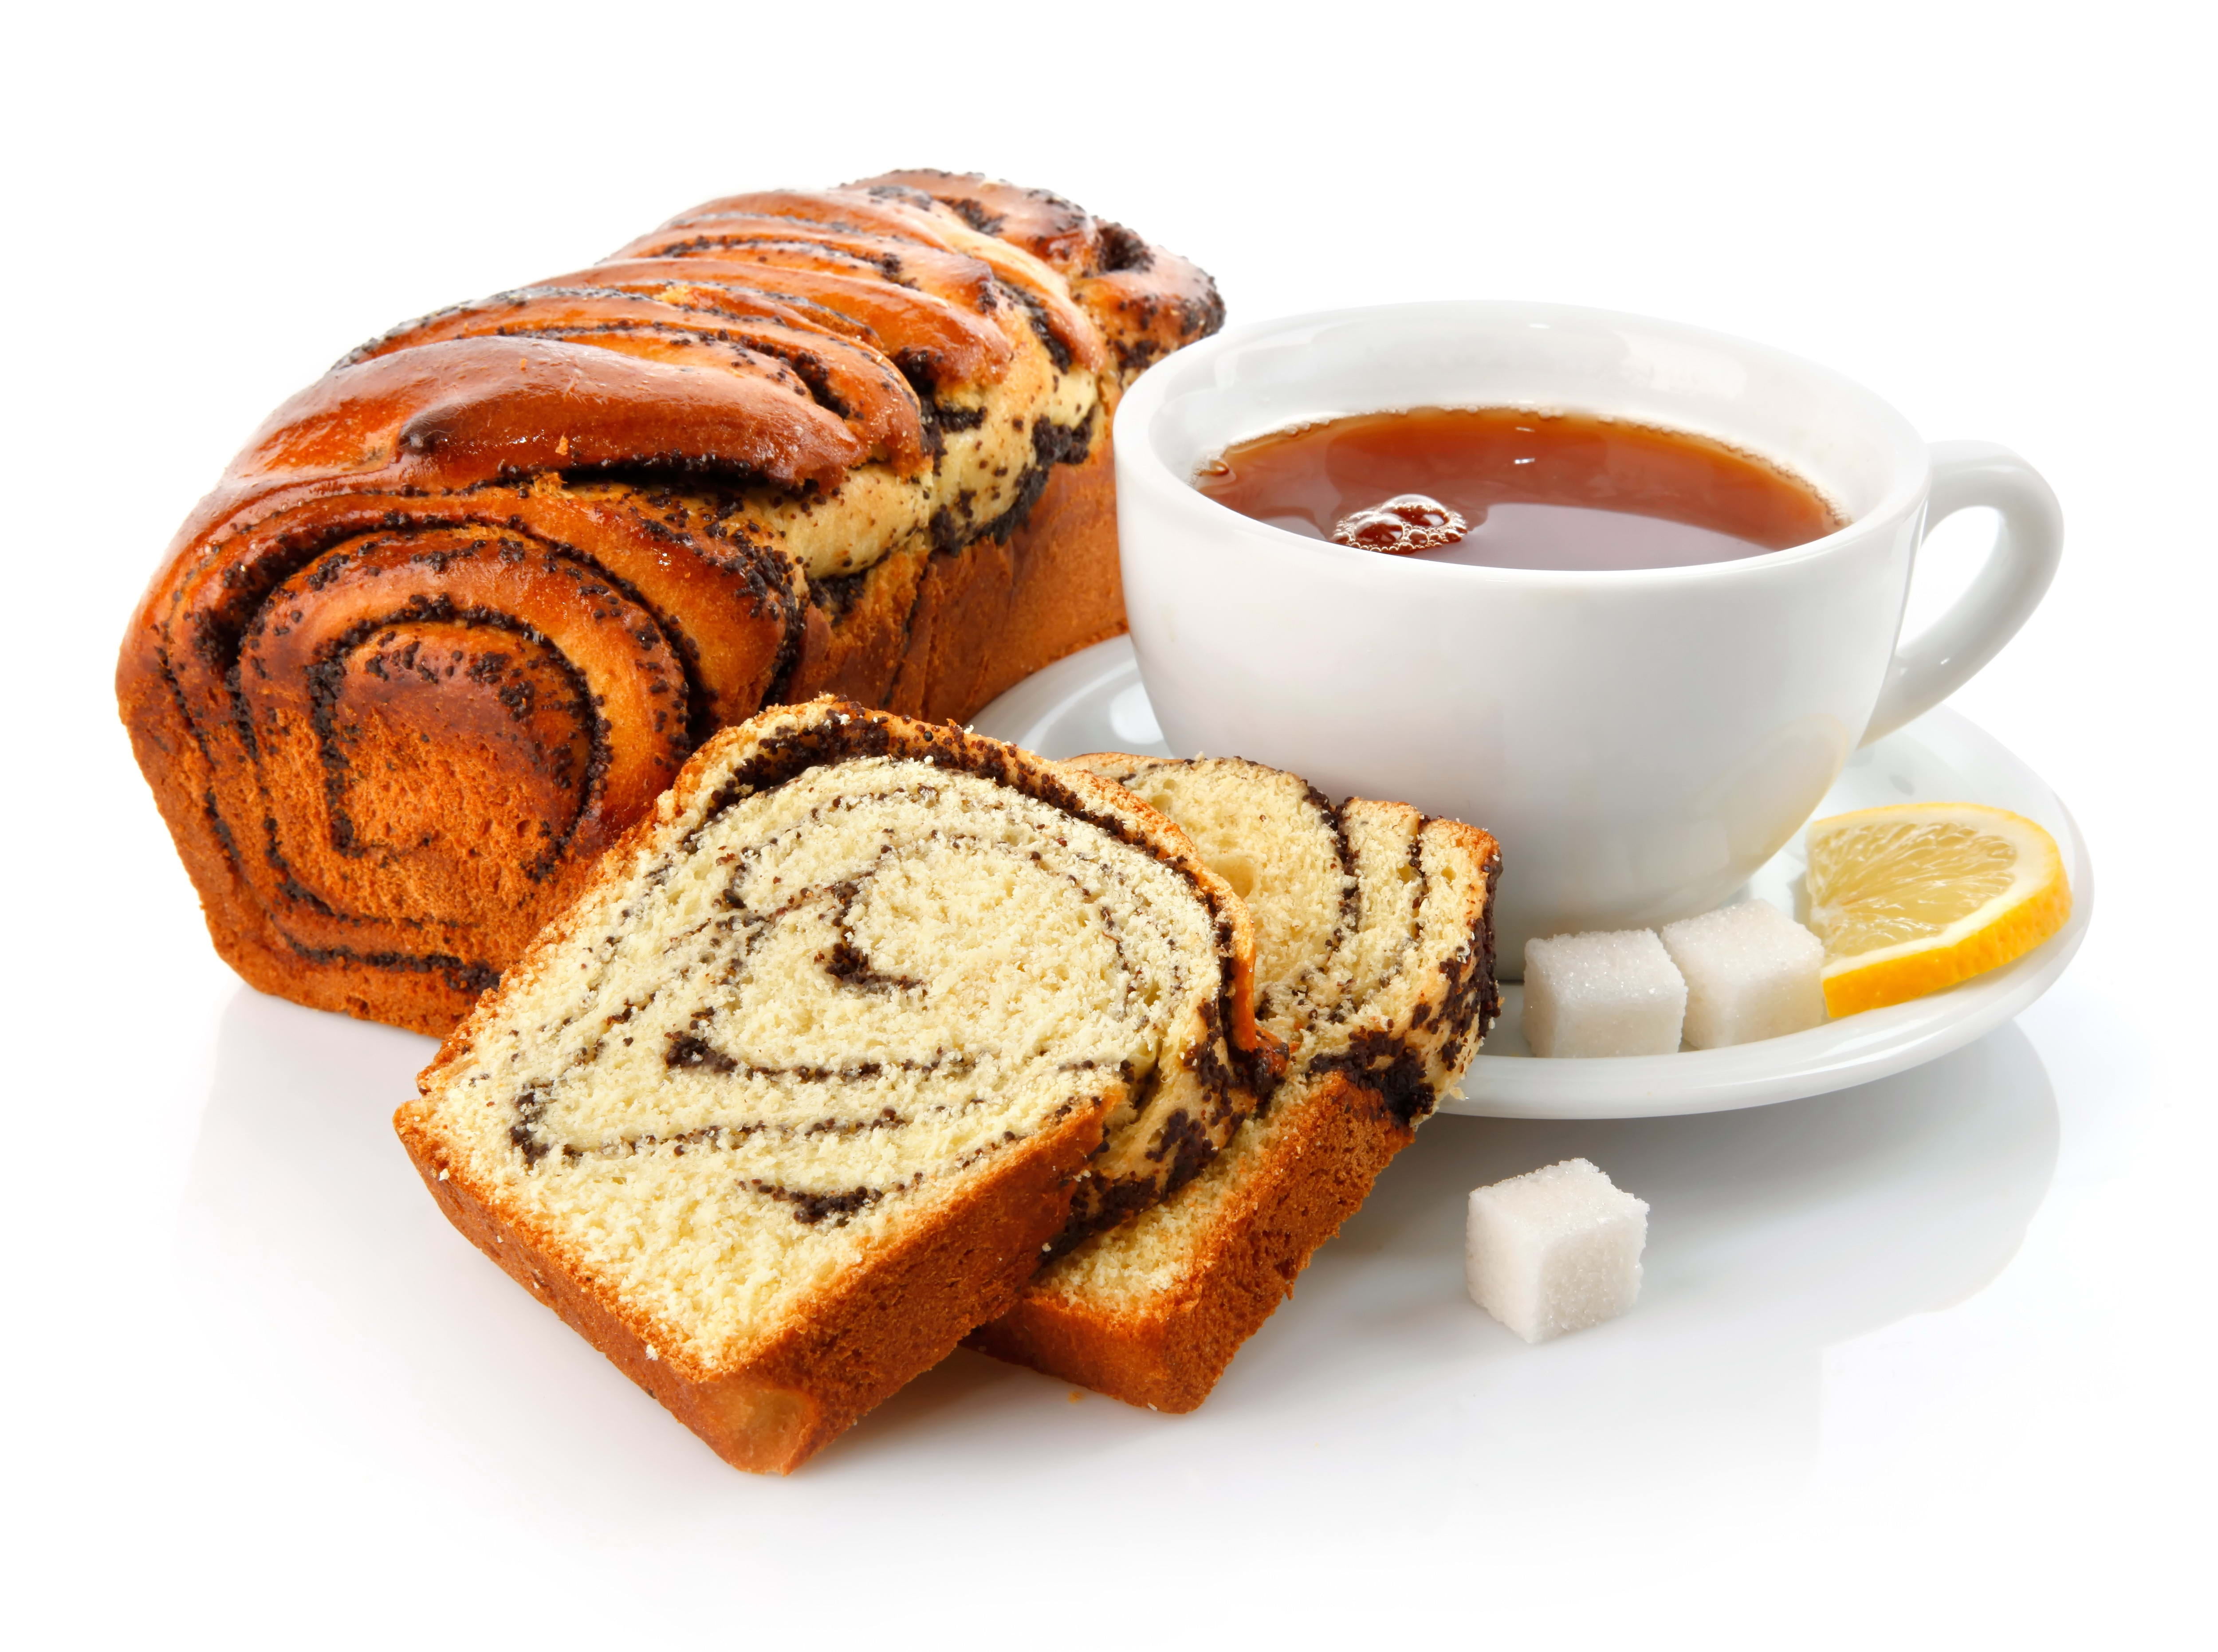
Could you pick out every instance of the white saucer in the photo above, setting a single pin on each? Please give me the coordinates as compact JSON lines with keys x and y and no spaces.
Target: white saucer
{"x":1093,"y":701}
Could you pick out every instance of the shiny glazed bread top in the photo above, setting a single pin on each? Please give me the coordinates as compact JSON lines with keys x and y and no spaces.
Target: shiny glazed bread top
{"x":462,"y":607}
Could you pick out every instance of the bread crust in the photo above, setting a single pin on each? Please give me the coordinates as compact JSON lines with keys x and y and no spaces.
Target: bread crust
{"x":1331,"y":1133}
{"x":461,"y":608}
{"x":1169,"y":1356}
{"x":993,"y":615}
{"x":848,"y":1349}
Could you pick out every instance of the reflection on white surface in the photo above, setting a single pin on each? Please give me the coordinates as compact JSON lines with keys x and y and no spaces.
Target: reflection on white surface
{"x":1773,"y":1234}
{"x":375,"y":1342}
{"x":1132,"y":720}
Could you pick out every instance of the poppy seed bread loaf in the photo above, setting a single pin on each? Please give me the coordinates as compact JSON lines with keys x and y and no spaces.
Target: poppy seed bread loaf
{"x":828,"y":1055}
{"x":460,"y":609}
{"x":1375,"y":964}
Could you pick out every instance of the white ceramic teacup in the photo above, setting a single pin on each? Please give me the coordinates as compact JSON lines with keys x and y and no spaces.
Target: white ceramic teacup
{"x":1640,"y":741}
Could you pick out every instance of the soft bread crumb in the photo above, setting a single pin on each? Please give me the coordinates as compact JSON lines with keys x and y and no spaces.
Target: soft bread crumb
{"x":844,"y":998}
{"x":1349,"y":940}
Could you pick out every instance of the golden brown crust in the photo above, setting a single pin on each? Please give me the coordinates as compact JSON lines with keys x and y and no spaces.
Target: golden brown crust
{"x":461,"y":608}
{"x":1331,"y":1132}
{"x":948,"y":344}
{"x":850,"y":1350}
{"x":1148,"y":301}
{"x":1293,"y":1198}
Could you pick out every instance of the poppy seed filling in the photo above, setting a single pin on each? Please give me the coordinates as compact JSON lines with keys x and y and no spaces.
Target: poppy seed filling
{"x":803,"y":1012}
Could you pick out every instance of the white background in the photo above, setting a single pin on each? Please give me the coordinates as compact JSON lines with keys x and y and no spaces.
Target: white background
{"x":1926,"y":1364}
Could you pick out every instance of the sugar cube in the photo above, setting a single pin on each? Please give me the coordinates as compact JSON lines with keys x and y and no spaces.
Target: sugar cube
{"x":1555,"y":1250}
{"x":1607,"y":992}
{"x":1751,"y":973}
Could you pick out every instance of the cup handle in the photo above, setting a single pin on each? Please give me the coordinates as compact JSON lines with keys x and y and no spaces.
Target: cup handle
{"x":2027,"y":545}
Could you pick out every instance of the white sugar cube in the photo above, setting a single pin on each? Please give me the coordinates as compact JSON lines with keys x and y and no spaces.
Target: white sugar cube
{"x":1607,"y":992}
{"x":1555,"y":1250}
{"x":1751,"y":973}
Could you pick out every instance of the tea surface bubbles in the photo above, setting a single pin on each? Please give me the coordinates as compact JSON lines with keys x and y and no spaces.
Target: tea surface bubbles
{"x":1526,"y":489}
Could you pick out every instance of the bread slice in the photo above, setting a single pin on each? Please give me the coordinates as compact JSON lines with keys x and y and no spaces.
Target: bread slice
{"x":1375,"y":962}
{"x":804,"y":1084}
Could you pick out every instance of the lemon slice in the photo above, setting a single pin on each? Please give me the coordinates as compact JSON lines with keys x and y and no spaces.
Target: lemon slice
{"x":1914,"y":897}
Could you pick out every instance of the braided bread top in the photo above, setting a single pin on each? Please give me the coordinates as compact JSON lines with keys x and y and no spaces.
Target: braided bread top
{"x":863,"y":365}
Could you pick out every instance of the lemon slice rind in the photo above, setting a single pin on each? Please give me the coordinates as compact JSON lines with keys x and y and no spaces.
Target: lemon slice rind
{"x":2035,"y":905}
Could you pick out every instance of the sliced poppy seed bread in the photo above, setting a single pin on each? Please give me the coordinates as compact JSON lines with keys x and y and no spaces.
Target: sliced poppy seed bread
{"x":801,"y":1088}
{"x":1375,"y":962}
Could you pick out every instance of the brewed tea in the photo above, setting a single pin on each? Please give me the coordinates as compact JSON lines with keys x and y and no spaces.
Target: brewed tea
{"x":1510,"y":487}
